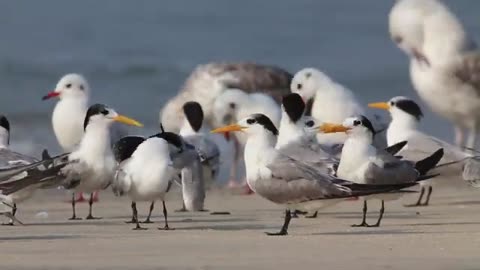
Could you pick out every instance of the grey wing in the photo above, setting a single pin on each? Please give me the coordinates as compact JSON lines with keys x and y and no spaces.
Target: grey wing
{"x":184,"y":158}
{"x":390,"y":173}
{"x":313,"y":154}
{"x":121,"y":182}
{"x":468,"y":71}
{"x":10,"y":158}
{"x":294,"y":182}
{"x":420,"y":146}
{"x":209,"y":154}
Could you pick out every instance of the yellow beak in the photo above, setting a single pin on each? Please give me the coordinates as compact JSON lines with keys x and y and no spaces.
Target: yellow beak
{"x":228,"y":128}
{"x":332,"y":128}
{"x":127,"y":120}
{"x":380,"y":105}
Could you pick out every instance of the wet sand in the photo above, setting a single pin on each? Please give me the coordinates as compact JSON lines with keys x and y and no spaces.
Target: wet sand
{"x":445,"y":235}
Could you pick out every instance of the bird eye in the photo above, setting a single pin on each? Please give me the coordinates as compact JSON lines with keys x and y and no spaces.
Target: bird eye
{"x":251,"y":121}
{"x":397,"y":39}
{"x":232,"y":105}
{"x":392,"y":103}
{"x":356,"y":123}
{"x":308,"y":75}
{"x":310,"y":123}
{"x":68,"y":85}
{"x":299,"y":86}
{"x":81,"y":87}
{"x":104,"y":112}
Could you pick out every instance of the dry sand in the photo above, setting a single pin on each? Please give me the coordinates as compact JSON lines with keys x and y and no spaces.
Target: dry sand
{"x":445,"y":235}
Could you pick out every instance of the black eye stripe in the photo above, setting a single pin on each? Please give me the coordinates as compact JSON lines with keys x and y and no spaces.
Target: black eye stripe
{"x":251,"y":121}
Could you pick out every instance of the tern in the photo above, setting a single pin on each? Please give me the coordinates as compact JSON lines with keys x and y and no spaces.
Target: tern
{"x":286,"y":181}
{"x":363,"y":163}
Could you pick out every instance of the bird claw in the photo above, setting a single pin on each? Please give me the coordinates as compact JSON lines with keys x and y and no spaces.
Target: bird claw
{"x":75,"y":218}
{"x":363,"y":224}
{"x":280,"y":233}
{"x":90,"y":217}
{"x":139,"y":229}
{"x":147,"y":221}
{"x":166,"y":228}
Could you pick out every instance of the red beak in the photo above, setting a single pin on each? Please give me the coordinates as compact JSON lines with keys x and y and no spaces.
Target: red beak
{"x":50,"y":95}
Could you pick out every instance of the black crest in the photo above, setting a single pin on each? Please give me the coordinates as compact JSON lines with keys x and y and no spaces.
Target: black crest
{"x":410,"y":107}
{"x":94,"y":110}
{"x":171,"y":138}
{"x":125,"y":147}
{"x":194,"y":114}
{"x":366,"y":123}
{"x":4,"y":122}
{"x":265,"y":122}
{"x":294,"y":106}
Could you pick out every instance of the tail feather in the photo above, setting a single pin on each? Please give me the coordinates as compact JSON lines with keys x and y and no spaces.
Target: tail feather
{"x":394,"y":149}
{"x":425,"y":165}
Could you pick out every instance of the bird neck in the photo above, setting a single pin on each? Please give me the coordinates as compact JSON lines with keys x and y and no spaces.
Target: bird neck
{"x":356,"y":151}
{"x":258,"y":149}
{"x":288,"y":131}
{"x":96,"y":141}
{"x":4,"y":138}
{"x":402,"y":123}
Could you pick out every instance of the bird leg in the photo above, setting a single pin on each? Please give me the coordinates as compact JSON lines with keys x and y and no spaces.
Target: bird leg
{"x":314,"y":215}
{"x":135,"y":216}
{"x":419,"y":201}
{"x":286,"y":222}
{"x":364,"y":218}
{"x":459,"y":138}
{"x":430,"y":189}
{"x":183,"y":209}
{"x":134,"y":208}
{"x":74,"y":216}
{"x":166,"y":228}
{"x":90,"y":203}
{"x":14,"y":210}
{"x":382,"y":210}
{"x":152,"y":205}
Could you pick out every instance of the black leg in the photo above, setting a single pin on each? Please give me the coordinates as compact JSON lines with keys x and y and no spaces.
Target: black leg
{"x":152,"y":205}
{"x":314,"y":215}
{"x":90,"y":203}
{"x":183,"y":209}
{"x":134,"y":208}
{"x":419,"y":201}
{"x":286,"y":222}
{"x":74,"y":216}
{"x":14,"y":210}
{"x":429,"y":193}
{"x":364,"y":219}
{"x":382,"y":210}
{"x":166,"y":218}
{"x":135,"y":217}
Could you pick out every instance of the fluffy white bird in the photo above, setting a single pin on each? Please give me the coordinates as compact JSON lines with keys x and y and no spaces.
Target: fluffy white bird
{"x":68,"y":115}
{"x":406,"y":115}
{"x":363,"y":163}
{"x":444,"y":62}
{"x":146,"y":175}
{"x":331,"y":103}
{"x":286,"y":181}
{"x":235,"y":104}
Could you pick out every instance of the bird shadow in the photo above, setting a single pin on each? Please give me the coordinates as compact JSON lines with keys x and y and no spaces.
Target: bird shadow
{"x":38,"y":237}
{"x":76,"y":223}
{"x":372,"y":232}
{"x":228,"y":227}
{"x":443,"y":223}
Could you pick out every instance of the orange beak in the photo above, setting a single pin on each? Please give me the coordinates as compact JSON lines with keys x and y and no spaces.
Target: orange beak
{"x":228,"y":128}
{"x":332,"y":128}
{"x":380,"y":105}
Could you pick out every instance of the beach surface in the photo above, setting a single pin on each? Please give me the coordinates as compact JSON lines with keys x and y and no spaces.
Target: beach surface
{"x":445,"y":235}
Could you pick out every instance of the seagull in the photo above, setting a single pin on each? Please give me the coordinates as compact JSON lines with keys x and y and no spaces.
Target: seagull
{"x":363,"y":163}
{"x":68,"y":116}
{"x":91,"y":166}
{"x":406,"y":115}
{"x":332,"y":103}
{"x":209,"y":81}
{"x":444,"y":62}
{"x":235,"y":104}
{"x":146,"y":175}
{"x":286,"y":181}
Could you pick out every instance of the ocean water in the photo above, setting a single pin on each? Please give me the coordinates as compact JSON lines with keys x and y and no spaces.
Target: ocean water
{"x":136,"y":54}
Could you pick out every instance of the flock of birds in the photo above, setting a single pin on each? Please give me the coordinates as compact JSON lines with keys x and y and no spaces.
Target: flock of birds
{"x":304,"y":140}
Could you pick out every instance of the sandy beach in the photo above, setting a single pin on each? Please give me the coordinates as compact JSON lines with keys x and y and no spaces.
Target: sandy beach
{"x":445,"y":235}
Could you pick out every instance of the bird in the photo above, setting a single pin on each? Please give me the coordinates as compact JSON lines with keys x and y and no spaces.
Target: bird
{"x":196,"y":134}
{"x":331,"y":103}
{"x":406,"y":115}
{"x":363,"y":163}
{"x":91,"y":166}
{"x":146,"y":175}
{"x":235,"y":104}
{"x":444,"y":63}
{"x":286,"y":181}
{"x":73,"y":92}
{"x":208,"y":81}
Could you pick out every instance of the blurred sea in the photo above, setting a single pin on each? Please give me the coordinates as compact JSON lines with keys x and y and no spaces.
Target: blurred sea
{"x":136,"y":54}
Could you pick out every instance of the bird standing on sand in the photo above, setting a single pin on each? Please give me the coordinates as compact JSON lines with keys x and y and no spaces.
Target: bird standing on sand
{"x":362,"y":163}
